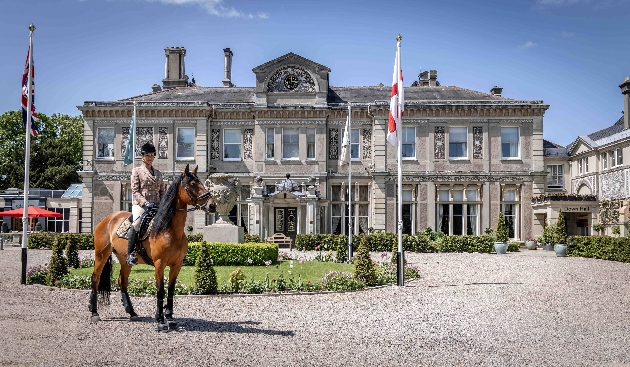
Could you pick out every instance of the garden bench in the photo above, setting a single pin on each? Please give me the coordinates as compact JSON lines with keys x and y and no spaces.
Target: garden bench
{"x":281,"y":240}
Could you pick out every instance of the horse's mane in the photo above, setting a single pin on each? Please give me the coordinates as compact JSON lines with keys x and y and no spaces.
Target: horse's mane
{"x":166,"y":210}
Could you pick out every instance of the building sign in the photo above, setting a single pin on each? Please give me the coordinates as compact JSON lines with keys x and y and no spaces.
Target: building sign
{"x":588,"y":209}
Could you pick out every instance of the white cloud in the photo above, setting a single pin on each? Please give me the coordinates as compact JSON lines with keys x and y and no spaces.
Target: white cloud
{"x":565,"y":34}
{"x":215,"y":7}
{"x":526,"y":45}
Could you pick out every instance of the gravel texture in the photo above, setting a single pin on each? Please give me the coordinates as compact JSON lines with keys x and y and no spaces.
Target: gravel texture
{"x":521,"y":309}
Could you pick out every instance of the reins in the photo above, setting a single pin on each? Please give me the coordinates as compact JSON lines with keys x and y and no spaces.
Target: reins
{"x":196,"y":205}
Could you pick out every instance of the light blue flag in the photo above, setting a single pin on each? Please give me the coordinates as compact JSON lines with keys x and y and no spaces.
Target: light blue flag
{"x":129,"y":154}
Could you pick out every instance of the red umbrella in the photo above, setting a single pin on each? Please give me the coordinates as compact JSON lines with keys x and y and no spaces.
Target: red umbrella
{"x":33,"y":212}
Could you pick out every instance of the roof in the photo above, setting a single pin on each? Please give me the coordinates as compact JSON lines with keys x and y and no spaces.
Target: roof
{"x":343,"y":95}
{"x":548,"y":144}
{"x":609,"y":131}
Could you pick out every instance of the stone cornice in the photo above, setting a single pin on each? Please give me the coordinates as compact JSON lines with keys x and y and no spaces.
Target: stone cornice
{"x":145,"y":121}
{"x":463,"y":177}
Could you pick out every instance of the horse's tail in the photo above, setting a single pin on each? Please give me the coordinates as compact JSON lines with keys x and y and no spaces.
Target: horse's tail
{"x":105,"y":283}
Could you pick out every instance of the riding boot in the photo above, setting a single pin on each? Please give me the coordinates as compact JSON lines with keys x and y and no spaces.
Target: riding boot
{"x":132,"y":259}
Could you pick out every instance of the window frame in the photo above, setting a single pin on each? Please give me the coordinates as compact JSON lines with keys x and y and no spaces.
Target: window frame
{"x":239,"y":144}
{"x":516,"y":215}
{"x":465,"y":150}
{"x":113,"y":144}
{"x":311,"y":132}
{"x":559,"y":175}
{"x":465,"y":205}
{"x":518,"y":147}
{"x":355,"y":133}
{"x":284,"y":144}
{"x":271,"y":130}
{"x":408,"y":139}
{"x":177,"y":156}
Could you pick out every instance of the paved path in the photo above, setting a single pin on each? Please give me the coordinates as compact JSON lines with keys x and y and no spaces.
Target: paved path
{"x":520,"y":309}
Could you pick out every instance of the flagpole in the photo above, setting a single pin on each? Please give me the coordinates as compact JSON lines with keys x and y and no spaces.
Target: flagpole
{"x":27,"y":155}
{"x":400,"y":258}
{"x":350,"y":221}
{"x":133,"y":152}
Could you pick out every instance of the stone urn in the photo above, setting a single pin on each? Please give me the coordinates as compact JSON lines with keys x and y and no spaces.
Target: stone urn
{"x":560,"y":249}
{"x":531,"y":245}
{"x":225,"y":190}
{"x":500,"y":248}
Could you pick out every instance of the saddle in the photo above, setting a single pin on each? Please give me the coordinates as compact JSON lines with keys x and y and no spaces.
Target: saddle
{"x":146,"y":223}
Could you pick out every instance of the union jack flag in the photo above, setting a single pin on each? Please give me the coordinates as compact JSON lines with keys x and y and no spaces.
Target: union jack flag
{"x":25,"y":77}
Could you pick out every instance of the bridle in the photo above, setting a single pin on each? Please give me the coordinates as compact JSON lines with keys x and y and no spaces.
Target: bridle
{"x":196,"y":205}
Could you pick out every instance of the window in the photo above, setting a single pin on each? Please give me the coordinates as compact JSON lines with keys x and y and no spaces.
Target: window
{"x":270,"y":139}
{"x":310,"y":143}
{"x":290,"y":144}
{"x":407,"y":212}
{"x":458,"y":211}
{"x":555,"y":178}
{"x":239,"y":213}
{"x":355,"y":134}
{"x":580,"y":166}
{"x":611,"y":157}
{"x":339,"y":209}
{"x":457,"y":142}
{"x":408,"y":142}
{"x":509,"y":142}
{"x":127,"y":199}
{"x":604,"y":161}
{"x":59,"y":224}
{"x":510,"y":212}
{"x":586,"y":165}
{"x":185,"y":143}
{"x":619,"y":156}
{"x":105,"y":143}
{"x":232,"y":144}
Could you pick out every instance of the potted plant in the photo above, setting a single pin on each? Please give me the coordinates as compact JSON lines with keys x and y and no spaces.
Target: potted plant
{"x":501,"y":237}
{"x":531,"y":243}
{"x":560,"y":236}
{"x":547,"y":237}
{"x":598,"y":228}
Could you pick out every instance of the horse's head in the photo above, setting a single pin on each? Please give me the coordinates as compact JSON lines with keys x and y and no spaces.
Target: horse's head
{"x":197,"y":194}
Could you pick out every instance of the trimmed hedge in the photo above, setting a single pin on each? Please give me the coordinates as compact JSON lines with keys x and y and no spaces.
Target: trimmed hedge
{"x":240,"y":254}
{"x":482,"y":244}
{"x":600,"y":247}
{"x":379,"y":241}
{"x":84,"y":241}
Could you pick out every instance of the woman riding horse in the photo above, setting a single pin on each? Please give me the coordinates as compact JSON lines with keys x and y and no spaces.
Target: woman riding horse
{"x":166,"y":246}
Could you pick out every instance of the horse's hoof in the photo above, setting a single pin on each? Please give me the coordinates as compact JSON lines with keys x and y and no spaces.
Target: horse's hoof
{"x":96,"y":318}
{"x":162,"y":328}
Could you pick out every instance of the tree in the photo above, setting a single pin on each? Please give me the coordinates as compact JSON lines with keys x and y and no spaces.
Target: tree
{"x":56,"y":151}
{"x":501,"y":232}
{"x":363,"y":266}
{"x":205,"y":276}
{"x":560,"y":234}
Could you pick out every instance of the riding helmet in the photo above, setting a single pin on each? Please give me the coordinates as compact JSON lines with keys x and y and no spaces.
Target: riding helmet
{"x":147,"y":148}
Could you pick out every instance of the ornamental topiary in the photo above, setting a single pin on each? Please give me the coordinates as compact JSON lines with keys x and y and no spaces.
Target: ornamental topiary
{"x":560,"y":233}
{"x":72,"y":251}
{"x":363,"y":266}
{"x":58,"y":266}
{"x":205,"y":276}
{"x":501,"y":232}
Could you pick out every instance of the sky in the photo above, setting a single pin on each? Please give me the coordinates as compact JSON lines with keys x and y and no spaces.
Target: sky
{"x":571,"y":54}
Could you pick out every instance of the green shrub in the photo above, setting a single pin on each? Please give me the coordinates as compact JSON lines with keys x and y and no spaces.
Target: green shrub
{"x":249,"y":238}
{"x":84,"y":241}
{"x":341,"y":281}
{"x":72,"y":281}
{"x":514,"y":246}
{"x":147,"y":287}
{"x":72,"y":250}
{"x":58,"y":265}
{"x":560,"y":232}
{"x":37,"y":274}
{"x":198,"y":237}
{"x":236,"y":279}
{"x":600,"y":247}
{"x":342,"y":252}
{"x":547,"y":236}
{"x":238,"y":254}
{"x":205,"y":276}
{"x":363,"y":265}
{"x":481,"y":244}
{"x":501,"y":232}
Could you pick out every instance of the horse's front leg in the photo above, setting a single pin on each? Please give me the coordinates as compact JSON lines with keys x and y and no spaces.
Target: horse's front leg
{"x":159,"y":282}
{"x":172,"y":280}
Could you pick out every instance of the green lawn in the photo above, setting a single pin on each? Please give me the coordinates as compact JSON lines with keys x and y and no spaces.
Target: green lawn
{"x":310,"y":270}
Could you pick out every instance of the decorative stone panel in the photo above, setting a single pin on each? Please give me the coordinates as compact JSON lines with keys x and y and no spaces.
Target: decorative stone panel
{"x":367,"y":143}
{"x":300,"y":81}
{"x":612,"y":185}
{"x":587,"y":181}
{"x":125,"y":139}
{"x":247,"y":143}
{"x":145,"y":135}
{"x":333,"y":144}
{"x":163,"y":142}
{"x":477,"y":142}
{"x":438,"y":138}
{"x":214,"y":144}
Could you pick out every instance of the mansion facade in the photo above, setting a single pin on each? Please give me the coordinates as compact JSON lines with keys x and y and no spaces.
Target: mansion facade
{"x":467,"y":155}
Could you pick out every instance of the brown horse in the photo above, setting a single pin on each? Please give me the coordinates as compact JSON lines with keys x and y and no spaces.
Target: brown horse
{"x":166,"y":246}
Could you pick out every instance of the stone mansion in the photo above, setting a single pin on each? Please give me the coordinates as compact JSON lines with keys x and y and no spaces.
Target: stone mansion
{"x":467,"y":155}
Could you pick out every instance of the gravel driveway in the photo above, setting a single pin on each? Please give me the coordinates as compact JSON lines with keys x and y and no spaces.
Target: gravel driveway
{"x":520,"y":309}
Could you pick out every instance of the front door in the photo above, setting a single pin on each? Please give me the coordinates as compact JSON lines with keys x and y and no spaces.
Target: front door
{"x":286,"y":222}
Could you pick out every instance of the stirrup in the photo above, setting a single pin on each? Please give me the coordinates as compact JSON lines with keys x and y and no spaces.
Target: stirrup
{"x":132,"y":260}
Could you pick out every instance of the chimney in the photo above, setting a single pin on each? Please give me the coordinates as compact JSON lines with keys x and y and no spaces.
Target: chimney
{"x":227,"y":72}
{"x":174,"y":68}
{"x":496,"y":91}
{"x":625,"y":90}
{"x":428,"y":79}
{"x":156,"y":88}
